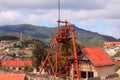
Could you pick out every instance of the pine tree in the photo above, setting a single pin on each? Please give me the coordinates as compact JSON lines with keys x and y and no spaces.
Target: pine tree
{"x":39,"y":54}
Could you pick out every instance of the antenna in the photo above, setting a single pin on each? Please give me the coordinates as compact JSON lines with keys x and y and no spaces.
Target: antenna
{"x":58,"y":9}
{"x":58,"y":16}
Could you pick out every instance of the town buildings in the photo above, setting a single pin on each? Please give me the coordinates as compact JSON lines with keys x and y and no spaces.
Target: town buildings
{"x":94,"y":62}
{"x":111,"y":48}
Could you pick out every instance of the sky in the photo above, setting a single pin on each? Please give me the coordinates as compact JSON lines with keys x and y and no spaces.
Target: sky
{"x":101,"y":16}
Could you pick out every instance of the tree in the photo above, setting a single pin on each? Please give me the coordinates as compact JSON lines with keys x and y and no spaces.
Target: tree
{"x":117,"y":54}
{"x":9,"y":37}
{"x":70,"y":47}
{"x":39,"y":54}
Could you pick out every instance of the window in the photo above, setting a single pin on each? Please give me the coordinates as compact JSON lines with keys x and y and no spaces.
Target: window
{"x":83,"y":74}
{"x":90,"y":74}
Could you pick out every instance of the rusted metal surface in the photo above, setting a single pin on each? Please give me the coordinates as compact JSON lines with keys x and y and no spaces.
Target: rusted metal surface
{"x":56,"y":63}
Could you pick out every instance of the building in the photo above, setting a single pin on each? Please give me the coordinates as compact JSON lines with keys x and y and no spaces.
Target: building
{"x":111,"y":48}
{"x":111,"y":44}
{"x":6,"y":44}
{"x":16,"y":64}
{"x":94,"y":62}
{"x":13,"y":77}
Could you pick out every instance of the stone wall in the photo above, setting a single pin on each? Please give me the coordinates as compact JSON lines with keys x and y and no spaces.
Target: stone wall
{"x":115,"y":78}
{"x":105,"y":71}
{"x":41,"y":77}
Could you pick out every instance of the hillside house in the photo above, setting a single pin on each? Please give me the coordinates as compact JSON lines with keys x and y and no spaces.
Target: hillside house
{"x":94,"y":62}
{"x":5,"y":44}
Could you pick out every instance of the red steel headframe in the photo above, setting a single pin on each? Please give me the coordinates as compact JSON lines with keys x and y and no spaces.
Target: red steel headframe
{"x":58,"y":60}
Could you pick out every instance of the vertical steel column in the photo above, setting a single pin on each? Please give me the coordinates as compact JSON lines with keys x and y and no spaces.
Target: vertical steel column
{"x":75,"y":55}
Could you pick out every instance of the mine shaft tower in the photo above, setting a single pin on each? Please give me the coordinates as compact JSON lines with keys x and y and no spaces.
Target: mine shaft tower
{"x":57,"y":63}
{"x":59,"y":58}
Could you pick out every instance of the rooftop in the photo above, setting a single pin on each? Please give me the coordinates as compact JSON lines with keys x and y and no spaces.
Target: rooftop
{"x":12,"y":77}
{"x":97,"y":56}
{"x":16,"y":63}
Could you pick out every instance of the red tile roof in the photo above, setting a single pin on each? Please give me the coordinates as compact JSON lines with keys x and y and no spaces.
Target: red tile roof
{"x":12,"y":77}
{"x":16,"y":63}
{"x":97,"y":56}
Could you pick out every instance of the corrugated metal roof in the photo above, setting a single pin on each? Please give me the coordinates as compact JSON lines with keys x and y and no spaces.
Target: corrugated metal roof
{"x":97,"y":56}
{"x":12,"y":77}
{"x":16,"y":63}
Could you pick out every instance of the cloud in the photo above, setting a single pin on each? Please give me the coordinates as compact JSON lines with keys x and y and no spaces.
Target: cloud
{"x":86,"y":13}
{"x":112,"y":32}
{"x":50,"y":4}
{"x":28,"y":4}
{"x":8,"y":17}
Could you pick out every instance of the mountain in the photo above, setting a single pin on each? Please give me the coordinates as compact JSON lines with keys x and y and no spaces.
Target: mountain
{"x":118,"y":39}
{"x":84,"y":37}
